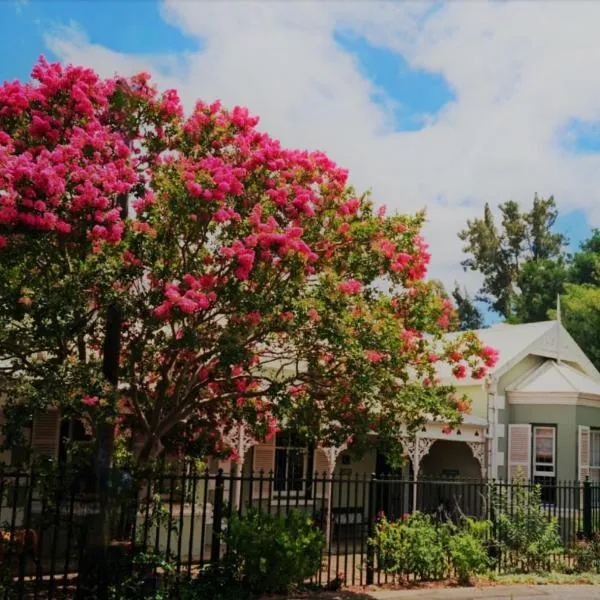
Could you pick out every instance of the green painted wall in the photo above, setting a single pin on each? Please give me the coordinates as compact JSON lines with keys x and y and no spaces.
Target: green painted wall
{"x":527,"y":364}
{"x":478,"y":398}
{"x":588,"y":415}
{"x":564,"y":417}
{"x":504,"y":418}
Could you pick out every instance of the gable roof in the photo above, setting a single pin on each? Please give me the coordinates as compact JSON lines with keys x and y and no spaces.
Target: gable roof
{"x":548,"y":339}
{"x":552,"y":377}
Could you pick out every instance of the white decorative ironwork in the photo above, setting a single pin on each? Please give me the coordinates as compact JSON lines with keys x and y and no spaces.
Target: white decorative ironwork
{"x":240,"y":440}
{"x":331,"y":454}
{"x":478,"y":450}
{"x":417,"y":448}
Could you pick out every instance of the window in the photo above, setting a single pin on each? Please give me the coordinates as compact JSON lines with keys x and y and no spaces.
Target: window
{"x":544,"y":451}
{"x":595,"y":455}
{"x":291,"y":464}
{"x":72,"y":433}
{"x":544,"y":461}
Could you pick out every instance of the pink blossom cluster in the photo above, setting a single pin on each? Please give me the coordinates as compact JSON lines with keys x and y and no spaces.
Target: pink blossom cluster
{"x":63,"y":164}
{"x":374,"y":356}
{"x":490,"y":356}
{"x":413,"y":263}
{"x":196,"y":297}
{"x":350,"y":287}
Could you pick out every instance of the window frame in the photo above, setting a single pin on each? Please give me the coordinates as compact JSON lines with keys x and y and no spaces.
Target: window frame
{"x":534,"y":461}
{"x":305,"y":480}
{"x":546,"y":479}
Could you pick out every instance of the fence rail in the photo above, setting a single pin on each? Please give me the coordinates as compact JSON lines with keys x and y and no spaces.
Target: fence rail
{"x":45,"y":518}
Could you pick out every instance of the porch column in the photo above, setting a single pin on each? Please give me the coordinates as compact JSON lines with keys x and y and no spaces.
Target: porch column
{"x":416,"y":447}
{"x":239,"y":439}
{"x":331,"y":455}
{"x":478,"y":450}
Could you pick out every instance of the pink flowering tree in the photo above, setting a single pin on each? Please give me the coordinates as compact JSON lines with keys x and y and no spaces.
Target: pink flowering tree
{"x":248,"y":283}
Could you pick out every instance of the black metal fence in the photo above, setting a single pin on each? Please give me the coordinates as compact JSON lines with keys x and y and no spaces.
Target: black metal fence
{"x":45,"y":519}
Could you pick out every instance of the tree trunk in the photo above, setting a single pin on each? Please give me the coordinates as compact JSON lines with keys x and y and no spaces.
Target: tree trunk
{"x":95,"y":571}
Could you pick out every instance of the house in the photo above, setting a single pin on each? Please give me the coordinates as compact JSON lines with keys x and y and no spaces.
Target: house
{"x":536,"y":413}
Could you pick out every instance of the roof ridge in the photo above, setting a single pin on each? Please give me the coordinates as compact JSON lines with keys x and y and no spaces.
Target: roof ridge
{"x":560,"y":368}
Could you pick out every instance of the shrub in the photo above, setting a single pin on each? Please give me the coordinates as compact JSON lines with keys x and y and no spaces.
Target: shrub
{"x":273,"y":553}
{"x":215,"y":582}
{"x":525,"y":534}
{"x":414,"y":546}
{"x":467,"y":549}
{"x":586,"y":555}
{"x":153,"y":577}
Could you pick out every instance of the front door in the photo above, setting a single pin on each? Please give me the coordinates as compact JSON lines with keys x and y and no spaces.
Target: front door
{"x":393,"y":490}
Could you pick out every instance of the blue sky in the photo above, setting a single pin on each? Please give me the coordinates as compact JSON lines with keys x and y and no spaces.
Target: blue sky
{"x":438,"y":105}
{"x":125,"y":26}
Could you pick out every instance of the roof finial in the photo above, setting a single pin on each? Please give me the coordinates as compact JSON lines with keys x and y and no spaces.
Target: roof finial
{"x":558,"y":328}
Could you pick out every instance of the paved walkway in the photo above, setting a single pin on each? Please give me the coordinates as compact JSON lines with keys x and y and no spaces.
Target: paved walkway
{"x":517,"y":592}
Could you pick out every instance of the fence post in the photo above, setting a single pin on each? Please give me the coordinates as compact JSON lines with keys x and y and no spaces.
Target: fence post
{"x":371,"y":529}
{"x":215,"y":550}
{"x":587,"y":509}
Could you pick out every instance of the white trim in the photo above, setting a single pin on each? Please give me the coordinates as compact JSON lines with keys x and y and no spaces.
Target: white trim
{"x":543,"y":473}
{"x":500,"y":402}
{"x":499,"y":459}
{"x":467,"y":431}
{"x":554,"y":399}
{"x":538,"y":348}
{"x":500,"y":430}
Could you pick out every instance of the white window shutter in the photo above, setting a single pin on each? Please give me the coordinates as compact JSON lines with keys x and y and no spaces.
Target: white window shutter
{"x":45,"y":437}
{"x":583,"y":452}
{"x":321,"y":465}
{"x":519,"y":451}
{"x":263,"y":460}
{"x":321,"y":470}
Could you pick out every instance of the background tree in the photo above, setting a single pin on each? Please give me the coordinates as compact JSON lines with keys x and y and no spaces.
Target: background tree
{"x":540,"y":282}
{"x":516,"y":257}
{"x":469,"y":316}
{"x":580,"y":314}
{"x":584,"y":267}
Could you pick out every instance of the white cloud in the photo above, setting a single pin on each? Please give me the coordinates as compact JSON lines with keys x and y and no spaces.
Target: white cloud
{"x":520,"y":70}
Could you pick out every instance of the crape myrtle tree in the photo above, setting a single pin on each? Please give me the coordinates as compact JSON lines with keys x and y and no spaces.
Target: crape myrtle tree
{"x":169,"y":276}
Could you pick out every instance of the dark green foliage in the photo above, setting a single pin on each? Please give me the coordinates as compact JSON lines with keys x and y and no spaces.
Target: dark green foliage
{"x":469,"y":316}
{"x":540,"y":283}
{"x":527,"y":537}
{"x":580,"y":314}
{"x":265,"y":554}
{"x":417,"y":547}
{"x":585,"y":265}
{"x":586,"y":555}
{"x":215,"y":582}
{"x":413,"y":546}
{"x":500,"y":254}
{"x":467,"y":549}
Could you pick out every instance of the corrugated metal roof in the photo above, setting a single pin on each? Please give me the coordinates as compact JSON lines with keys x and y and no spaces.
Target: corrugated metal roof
{"x":509,"y":340}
